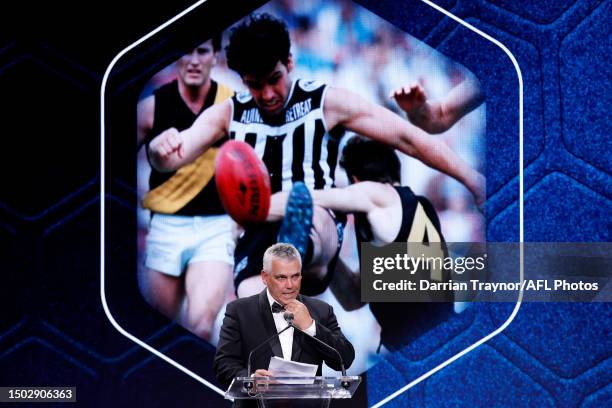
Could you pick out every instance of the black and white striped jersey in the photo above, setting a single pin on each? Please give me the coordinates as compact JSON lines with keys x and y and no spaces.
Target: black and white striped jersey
{"x":295,"y":145}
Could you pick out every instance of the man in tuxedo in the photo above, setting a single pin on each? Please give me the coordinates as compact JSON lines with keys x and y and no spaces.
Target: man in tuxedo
{"x":250,"y":321}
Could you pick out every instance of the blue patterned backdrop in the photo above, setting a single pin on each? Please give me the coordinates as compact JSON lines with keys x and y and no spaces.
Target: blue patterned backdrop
{"x":53,"y":330}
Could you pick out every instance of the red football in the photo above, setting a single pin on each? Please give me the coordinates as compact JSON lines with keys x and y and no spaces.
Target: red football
{"x":243,"y":182}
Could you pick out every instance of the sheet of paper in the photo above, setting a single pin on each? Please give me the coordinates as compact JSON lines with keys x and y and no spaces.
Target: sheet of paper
{"x":286,"y":368}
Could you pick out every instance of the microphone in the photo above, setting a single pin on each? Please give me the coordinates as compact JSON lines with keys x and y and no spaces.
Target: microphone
{"x":289,"y":319}
{"x":288,"y":316}
{"x":249,"y":384}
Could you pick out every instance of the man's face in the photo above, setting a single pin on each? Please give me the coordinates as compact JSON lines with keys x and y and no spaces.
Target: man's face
{"x":284,"y":279}
{"x":194,"y":68}
{"x":271,"y":91}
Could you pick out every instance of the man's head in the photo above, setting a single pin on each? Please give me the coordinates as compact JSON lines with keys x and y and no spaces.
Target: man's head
{"x":282,"y":272}
{"x":259,"y":51}
{"x":367,"y":160}
{"x":193,"y":68}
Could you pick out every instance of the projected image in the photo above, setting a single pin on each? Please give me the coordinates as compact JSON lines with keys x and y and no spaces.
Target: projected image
{"x":366,"y":135}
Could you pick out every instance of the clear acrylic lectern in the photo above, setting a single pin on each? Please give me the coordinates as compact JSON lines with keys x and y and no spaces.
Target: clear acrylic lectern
{"x":302,"y":392}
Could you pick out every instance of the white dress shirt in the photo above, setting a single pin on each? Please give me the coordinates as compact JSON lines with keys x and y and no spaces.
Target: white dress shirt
{"x":286,"y":338}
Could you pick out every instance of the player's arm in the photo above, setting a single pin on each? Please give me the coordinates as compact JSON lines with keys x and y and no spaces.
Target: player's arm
{"x":438,"y":116}
{"x":347,"y":109}
{"x":360,"y":197}
{"x":173,"y":149}
{"x":145,"y":111}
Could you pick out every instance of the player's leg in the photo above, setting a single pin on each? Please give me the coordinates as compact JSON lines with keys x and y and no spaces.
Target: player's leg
{"x":160,"y":280}
{"x":324,"y":242}
{"x":162,"y":291}
{"x":314,"y":232}
{"x":208,"y":278}
{"x":296,"y":226}
{"x":208,"y":286}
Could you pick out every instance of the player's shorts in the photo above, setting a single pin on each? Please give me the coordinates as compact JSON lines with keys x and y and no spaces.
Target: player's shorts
{"x":255,"y":240}
{"x":174,"y":241}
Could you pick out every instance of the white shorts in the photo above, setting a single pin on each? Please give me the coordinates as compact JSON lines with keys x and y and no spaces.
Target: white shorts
{"x":174,"y":241}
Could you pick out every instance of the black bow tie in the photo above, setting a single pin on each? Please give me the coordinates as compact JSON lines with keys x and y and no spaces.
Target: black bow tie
{"x":277,"y":307}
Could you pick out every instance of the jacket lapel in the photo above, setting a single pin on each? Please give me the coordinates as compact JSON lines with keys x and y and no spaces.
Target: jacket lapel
{"x":269,"y":326}
{"x":296,"y":350}
{"x":298,"y":338}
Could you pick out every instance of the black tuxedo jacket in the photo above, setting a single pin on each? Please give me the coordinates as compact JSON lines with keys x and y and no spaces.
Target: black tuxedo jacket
{"x":248,"y":322}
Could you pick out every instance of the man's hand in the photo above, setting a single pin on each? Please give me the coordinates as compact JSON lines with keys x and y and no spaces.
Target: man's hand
{"x":262,"y":373}
{"x":301,"y":315}
{"x":409,"y":99}
{"x":164,"y":146}
{"x":420,"y":111}
{"x":440,"y":115}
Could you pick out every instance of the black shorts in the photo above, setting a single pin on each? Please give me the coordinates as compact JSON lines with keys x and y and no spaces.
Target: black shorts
{"x":251,"y":246}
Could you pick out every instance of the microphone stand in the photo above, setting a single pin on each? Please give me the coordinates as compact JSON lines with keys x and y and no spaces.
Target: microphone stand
{"x":289,"y":319}
{"x":249,"y":384}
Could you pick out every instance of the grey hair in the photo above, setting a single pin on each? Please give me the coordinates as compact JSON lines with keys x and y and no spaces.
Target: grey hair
{"x":280,"y":250}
